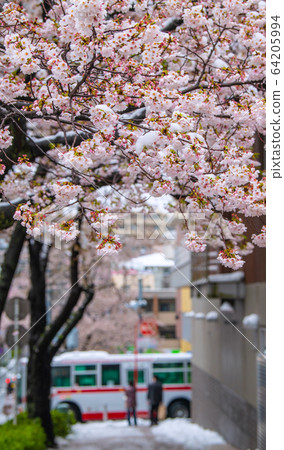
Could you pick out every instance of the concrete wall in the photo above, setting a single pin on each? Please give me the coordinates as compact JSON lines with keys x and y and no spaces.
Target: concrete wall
{"x":216,"y":406}
{"x":255,"y":303}
{"x":255,"y":300}
{"x":224,"y":367}
{"x":217,"y":346}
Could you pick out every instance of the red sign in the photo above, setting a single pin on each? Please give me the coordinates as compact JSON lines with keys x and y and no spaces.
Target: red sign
{"x":148,"y":328}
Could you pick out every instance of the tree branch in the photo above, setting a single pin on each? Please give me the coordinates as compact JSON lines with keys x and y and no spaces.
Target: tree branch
{"x":35,"y":147}
{"x":38,"y":146}
{"x":74,"y":296}
{"x":7,"y":211}
{"x":72,"y":322}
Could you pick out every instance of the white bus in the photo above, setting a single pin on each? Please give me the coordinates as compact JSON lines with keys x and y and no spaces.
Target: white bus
{"x":92,"y":383}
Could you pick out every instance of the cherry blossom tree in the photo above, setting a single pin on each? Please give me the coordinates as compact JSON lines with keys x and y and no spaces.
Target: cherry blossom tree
{"x":145,"y":97}
{"x":46,"y":336}
{"x":105,"y":103}
{"x":79,"y":288}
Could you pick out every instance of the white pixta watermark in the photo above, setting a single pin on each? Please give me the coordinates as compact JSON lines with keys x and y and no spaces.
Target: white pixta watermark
{"x":61,"y":227}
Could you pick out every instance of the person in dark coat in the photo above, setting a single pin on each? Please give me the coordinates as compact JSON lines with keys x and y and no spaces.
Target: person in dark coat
{"x":130,"y":393}
{"x":155,"y":397}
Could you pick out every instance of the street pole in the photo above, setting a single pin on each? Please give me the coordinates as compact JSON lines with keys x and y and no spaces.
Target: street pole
{"x":138,"y":327}
{"x":16,"y":355}
{"x":136,"y":355}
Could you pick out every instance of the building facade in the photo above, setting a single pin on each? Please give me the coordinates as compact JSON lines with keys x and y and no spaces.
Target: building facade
{"x":180,"y":280}
{"x":155,"y":272}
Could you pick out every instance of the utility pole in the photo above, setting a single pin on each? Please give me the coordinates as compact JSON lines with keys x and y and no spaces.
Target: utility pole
{"x":16,"y":354}
{"x":140,"y":304}
{"x":16,"y":337}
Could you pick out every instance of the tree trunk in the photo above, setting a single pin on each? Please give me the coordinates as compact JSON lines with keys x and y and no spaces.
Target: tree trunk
{"x":39,"y":370}
{"x":38,"y":393}
{"x":10,"y":262}
{"x":43,"y":340}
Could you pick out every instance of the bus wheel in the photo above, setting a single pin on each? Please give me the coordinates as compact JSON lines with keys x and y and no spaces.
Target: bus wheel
{"x":68,"y":406}
{"x":179,"y":409}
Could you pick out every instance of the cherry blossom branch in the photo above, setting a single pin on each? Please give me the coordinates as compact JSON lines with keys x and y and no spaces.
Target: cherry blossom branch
{"x":71,"y":302}
{"x":72,"y":321}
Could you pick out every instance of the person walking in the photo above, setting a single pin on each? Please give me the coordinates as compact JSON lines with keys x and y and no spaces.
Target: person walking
{"x":130,"y":393}
{"x":155,"y":397}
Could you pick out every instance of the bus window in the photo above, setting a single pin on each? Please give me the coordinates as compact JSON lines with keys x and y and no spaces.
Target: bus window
{"x":141,"y":376}
{"x":61,"y":376}
{"x":169,"y":372}
{"x":172,"y":365}
{"x":110,"y":374}
{"x":169,"y":377}
{"x":86,"y":375}
{"x":188,"y":372}
{"x":86,"y":379}
{"x":85,"y":368}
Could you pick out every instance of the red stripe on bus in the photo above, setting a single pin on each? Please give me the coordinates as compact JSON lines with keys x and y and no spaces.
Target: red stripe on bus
{"x":117,"y":415}
{"x":98,"y":390}
{"x":84,"y":391}
{"x":92,"y":416}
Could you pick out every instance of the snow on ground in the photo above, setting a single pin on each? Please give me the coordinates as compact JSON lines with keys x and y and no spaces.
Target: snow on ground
{"x":171,"y":433}
{"x":108,"y":429}
{"x":190,"y":435}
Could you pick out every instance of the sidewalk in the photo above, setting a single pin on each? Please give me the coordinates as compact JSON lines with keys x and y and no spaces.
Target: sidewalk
{"x":171,"y":434}
{"x":142,"y":439}
{"x":145,"y":442}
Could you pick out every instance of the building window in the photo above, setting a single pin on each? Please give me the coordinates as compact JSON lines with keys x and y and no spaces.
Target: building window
{"x":149,"y":306}
{"x":168,"y":332}
{"x":167,"y":305}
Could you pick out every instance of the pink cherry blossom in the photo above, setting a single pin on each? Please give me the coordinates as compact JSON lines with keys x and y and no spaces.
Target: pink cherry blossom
{"x":119,"y":101}
{"x":260,"y":239}
{"x":194,"y":243}
{"x":5,"y":138}
{"x":230,"y":258}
